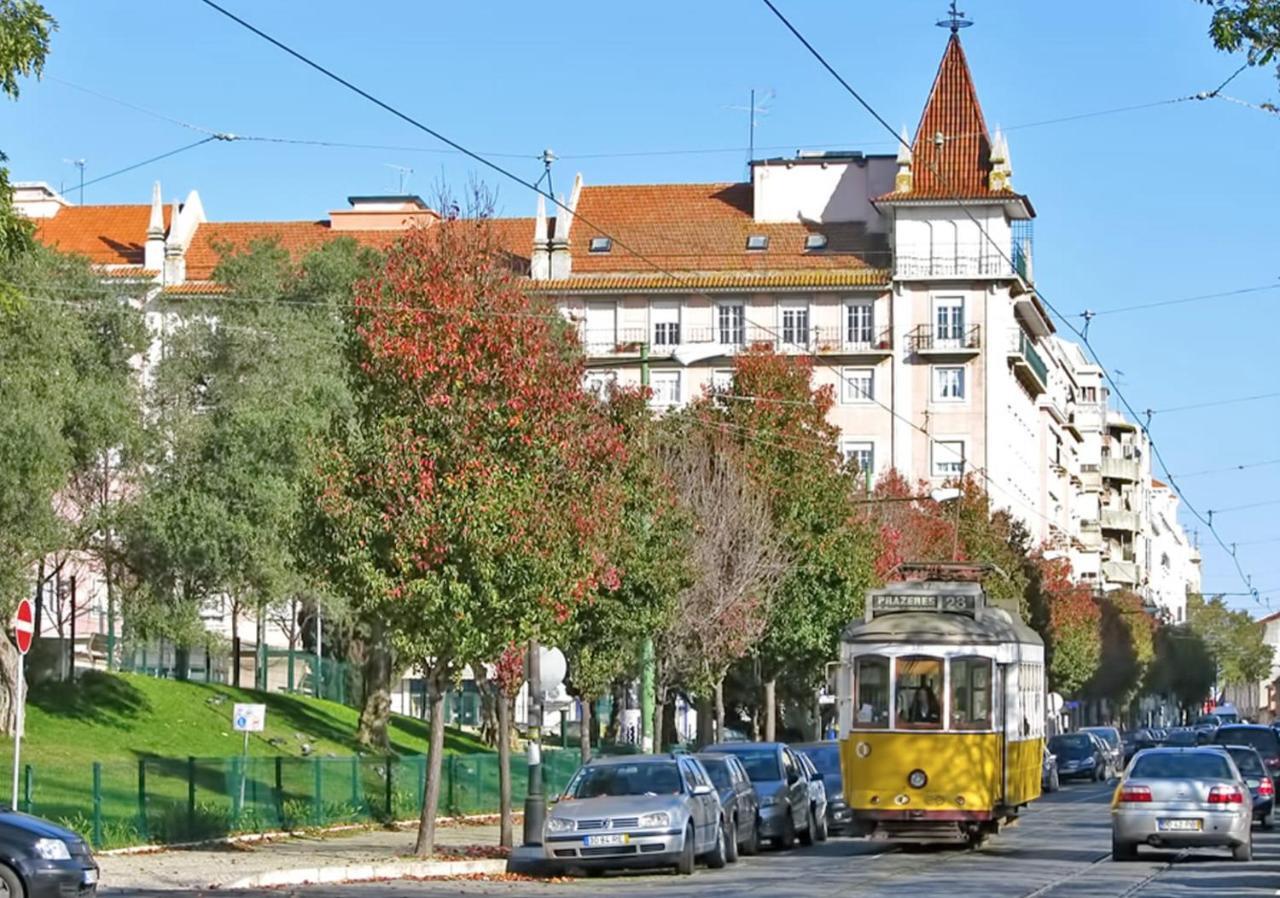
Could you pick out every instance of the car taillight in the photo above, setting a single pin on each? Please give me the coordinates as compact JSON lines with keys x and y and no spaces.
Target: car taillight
{"x":1225,"y":795}
{"x":1265,"y":787}
{"x":1135,"y":793}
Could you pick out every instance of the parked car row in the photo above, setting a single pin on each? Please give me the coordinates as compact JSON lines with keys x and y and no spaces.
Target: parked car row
{"x":674,"y":810}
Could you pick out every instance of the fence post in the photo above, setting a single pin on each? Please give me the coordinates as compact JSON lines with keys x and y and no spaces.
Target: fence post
{"x":28,"y":778}
{"x":142,"y":799}
{"x":452,"y":767}
{"x":280,"y":791}
{"x":318,"y":791}
{"x":290,"y":675}
{"x":97,"y":804}
{"x":357,"y":793}
{"x":191,"y":796}
{"x":237,"y":797}
{"x":390,"y":796}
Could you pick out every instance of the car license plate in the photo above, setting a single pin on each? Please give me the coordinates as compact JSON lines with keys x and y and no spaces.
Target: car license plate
{"x":1181,"y":825}
{"x":1252,"y":783}
{"x":610,"y":839}
{"x":89,"y":877}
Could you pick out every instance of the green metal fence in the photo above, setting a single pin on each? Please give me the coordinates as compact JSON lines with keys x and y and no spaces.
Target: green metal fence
{"x":174,"y":800}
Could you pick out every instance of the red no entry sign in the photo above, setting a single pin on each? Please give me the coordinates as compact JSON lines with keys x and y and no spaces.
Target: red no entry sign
{"x":24,"y":626}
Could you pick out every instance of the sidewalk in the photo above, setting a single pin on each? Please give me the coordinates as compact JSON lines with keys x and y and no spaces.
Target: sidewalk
{"x":377,"y":853}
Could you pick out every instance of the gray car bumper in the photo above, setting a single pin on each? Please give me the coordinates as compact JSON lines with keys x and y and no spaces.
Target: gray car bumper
{"x":1218,"y":829}
{"x":653,"y":849}
{"x":773,"y":821}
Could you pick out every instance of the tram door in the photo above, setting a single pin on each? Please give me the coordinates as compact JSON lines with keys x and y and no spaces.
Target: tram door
{"x":1004,"y":715}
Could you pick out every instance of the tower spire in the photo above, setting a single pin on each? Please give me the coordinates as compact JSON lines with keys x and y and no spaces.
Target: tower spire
{"x":955,"y":20}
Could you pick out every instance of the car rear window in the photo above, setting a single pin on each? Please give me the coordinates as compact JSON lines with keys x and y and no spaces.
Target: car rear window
{"x":1106,"y":734}
{"x":1075,"y":746}
{"x":1247,"y":760}
{"x":826,"y":758}
{"x":1263,"y":739}
{"x":1181,"y":737}
{"x":762,"y":764}
{"x":1190,"y":766}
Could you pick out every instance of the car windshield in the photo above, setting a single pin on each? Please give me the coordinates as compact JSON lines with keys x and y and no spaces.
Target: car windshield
{"x":826,"y":758}
{"x":718,"y":771}
{"x":653,"y":778}
{"x":762,"y":764}
{"x":1077,"y":746}
{"x":1106,"y":734}
{"x":1201,"y":765}
{"x":1263,"y":739}
{"x":1247,"y":760}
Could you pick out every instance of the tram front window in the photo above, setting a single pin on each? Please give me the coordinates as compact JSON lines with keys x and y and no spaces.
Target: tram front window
{"x":971,"y":693}
{"x":872,"y":679}
{"x":919,"y":688}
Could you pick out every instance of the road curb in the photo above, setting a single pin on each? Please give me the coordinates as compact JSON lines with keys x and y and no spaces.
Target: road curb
{"x":367,"y":873}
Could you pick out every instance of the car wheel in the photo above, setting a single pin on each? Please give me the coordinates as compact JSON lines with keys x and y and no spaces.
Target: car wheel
{"x":820,"y":831}
{"x":1123,"y":851}
{"x":751,"y":844}
{"x":731,"y":841}
{"x":686,"y":863}
{"x":806,"y":837}
{"x":1243,"y":852}
{"x":717,"y":857}
{"x":10,"y":884}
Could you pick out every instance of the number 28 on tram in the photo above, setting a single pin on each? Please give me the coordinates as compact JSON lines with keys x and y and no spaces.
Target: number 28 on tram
{"x":941,"y":712}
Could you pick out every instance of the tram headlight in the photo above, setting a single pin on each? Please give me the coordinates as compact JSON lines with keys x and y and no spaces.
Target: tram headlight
{"x":917,"y":779}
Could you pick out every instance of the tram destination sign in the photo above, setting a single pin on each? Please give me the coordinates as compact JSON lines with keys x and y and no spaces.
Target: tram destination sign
{"x":952,"y":602}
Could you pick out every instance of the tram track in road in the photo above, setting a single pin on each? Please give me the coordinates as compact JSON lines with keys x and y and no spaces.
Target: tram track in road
{"x":1131,"y":890}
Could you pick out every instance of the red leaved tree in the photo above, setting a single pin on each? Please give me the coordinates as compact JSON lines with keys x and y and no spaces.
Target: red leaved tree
{"x":1074,"y":626}
{"x":471,"y":503}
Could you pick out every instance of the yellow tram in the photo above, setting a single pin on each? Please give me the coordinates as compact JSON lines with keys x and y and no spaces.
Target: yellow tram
{"x":941,"y":703}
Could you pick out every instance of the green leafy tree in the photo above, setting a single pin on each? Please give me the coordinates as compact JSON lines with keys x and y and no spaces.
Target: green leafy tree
{"x":25,"y":28}
{"x":1233,"y":638}
{"x":1068,"y":617}
{"x":1128,"y":648}
{"x":1249,"y":25}
{"x":1183,"y":667}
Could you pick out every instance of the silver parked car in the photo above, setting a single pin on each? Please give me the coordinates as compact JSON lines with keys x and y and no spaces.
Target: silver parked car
{"x":1180,"y":798}
{"x":817,"y":797}
{"x":637,"y":811}
{"x":738,"y":800}
{"x":785,"y":807}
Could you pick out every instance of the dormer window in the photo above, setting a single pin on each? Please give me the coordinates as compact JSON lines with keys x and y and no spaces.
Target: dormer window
{"x":815,"y":242}
{"x":601,"y":244}
{"x":757,"y":242}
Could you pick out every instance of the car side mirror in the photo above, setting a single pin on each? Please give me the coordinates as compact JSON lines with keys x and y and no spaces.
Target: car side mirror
{"x":792,"y":777}
{"x":702,"y":789}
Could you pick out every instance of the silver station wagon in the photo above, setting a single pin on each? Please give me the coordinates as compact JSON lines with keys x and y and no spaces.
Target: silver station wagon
{"x":637,"y":811}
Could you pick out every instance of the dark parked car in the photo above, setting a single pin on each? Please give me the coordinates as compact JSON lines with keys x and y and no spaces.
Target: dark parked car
{"x":43,"y":860}
{"x":782,"y":787}
{"x":1261,"y":737}
{"x":1186,"y":737}
{"x":1261,"y":786}
{"x":826,"y":757}
{"x":1080,"y":755}
{"x":1110,"y":738}
{"x":738,"y":799}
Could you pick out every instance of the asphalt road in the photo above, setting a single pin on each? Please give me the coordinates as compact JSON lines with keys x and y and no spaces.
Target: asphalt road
{"x":1060,"y":849}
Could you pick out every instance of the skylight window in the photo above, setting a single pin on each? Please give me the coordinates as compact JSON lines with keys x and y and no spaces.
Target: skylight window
{"x":601,"y":244}
{"x":757,"y":242}
{"x":815,"y":241}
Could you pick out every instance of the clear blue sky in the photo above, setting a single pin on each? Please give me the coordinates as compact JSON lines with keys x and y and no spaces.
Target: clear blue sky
{"x":1135,"y":207}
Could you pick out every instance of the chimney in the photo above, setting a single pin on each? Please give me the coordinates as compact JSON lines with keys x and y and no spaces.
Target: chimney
{"x":561,"y":260}
{"x":1001,"y":175}
{"x":153,"y":253}
{"x":902,"y":183}
{"x":175,"y":260}
{"x":540,"y":268}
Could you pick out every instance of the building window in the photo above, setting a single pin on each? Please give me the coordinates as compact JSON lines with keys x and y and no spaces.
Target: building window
{"x":730,"y":324}
{"x":1089,"y":394}
{"x":601,"y":244}
{"x":666,"y":389}
{"x":600,"y":331}
{"x":859,"y":384}
{"x":758,"y":242}
{"x":948,"y":383}
{"x":948,"y":458}
{"x":859,"y":319}
{"x":948,"y":316}
{"x":600,"y":383}
{"x":722,"y":380}
{"x":666,"y":323}
{"x":795,"y":327}
{"x":815,"y":242}
{"x":871,"y":679}
{"x":862,"y":455}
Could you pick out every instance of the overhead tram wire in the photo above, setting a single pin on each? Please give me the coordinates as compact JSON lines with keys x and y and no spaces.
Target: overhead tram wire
{"x":1228,"y":470}
{"x":1213,"y":404}
{"x":1082,"y":334}
{"x":1261,"y":288}
{"x":137,"y":165}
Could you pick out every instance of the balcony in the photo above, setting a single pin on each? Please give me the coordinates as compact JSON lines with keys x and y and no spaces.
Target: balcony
{"x":1028,"y":367}
{"x":971,"y":262}
{"x":1125,"y":572}
{"x":1115,"y":519}
{"x":826,"y":341}
{"x":1090,"y":534}
{"x":927,"y":340}
{"x":1090,"y":478}
{"x":1123,"y":469}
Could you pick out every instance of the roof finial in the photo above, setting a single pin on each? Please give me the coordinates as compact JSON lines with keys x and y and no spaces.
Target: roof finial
{"x":955,"y":20}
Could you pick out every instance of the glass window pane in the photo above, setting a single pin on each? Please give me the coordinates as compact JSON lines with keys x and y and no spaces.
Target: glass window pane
{"x":919,"y":687}
{"x":871,"y":678}
{"x":971,"y":693}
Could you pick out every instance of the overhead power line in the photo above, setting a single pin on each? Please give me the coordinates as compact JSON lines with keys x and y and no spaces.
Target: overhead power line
{"x":1213,"y":403}
{"x":1261,"y":288}
{"x":136,"y":165}
{"x":1229,"y":469}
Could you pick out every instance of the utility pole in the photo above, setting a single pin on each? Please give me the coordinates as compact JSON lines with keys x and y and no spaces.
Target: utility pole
{"x":535,"y":803}
{"x":648,"y":738}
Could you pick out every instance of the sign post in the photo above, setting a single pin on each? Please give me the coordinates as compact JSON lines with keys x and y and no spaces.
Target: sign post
{"x":247,"y":719}
{"x":23,"y":631}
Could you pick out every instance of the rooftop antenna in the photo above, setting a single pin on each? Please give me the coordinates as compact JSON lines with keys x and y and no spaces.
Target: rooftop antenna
{"x":754,"y":109}
{"x":955,"y":20}
{"x":78,"y":163}
{"x":548,"y":157}
{"x":403,"y":171}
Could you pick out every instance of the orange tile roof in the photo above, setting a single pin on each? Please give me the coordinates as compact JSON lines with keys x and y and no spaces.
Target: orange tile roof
{"x":195,"y":288}
{"x":130,"y":271}
{"x":107,"y":235}
{"x":961,"y":165}
{"x":1159,"y":484}
{"x":704,"y":227}
{"x":745,"y":280}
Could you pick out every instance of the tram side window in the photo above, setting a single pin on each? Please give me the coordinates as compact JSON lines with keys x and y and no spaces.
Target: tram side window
{"x":919,"y":702}
{"x":872,"y":680}
{"x":971,"y":693}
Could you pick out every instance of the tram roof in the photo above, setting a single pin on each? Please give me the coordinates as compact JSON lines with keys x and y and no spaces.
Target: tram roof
{"x":991,"y":627}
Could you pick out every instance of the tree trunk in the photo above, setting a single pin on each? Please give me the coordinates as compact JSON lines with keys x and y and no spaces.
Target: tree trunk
{"x":490,"y":706}
{"x":375,"y":711}
{"x":705,"y":709}
{"x":9,"y":689}
{"x":504,"y":769}
{"x":585,"y":727}
{"x":182,"y":663}
{"x":613,"y":729}
{"x":666,"y":733}
{"x":770,"y":710}
{"x":260,"y":650}
{"x":235,"y":643}
{"x":719,"y":701}
{"x":38,"y":599}
{"x":426,"y":844}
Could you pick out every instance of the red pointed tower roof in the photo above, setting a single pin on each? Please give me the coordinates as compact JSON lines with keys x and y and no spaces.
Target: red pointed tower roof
{"x":957,"y":164}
